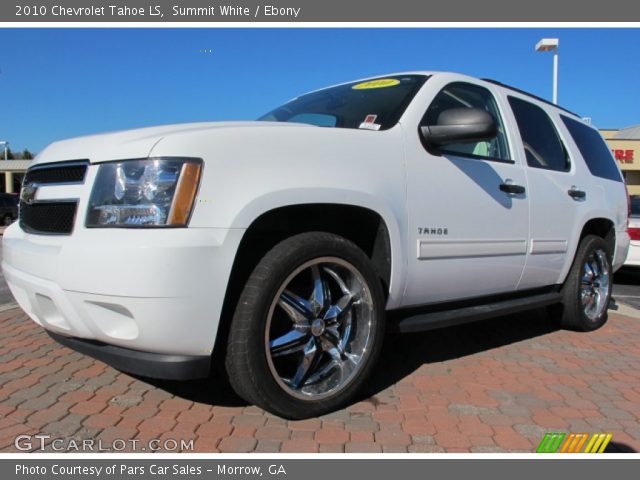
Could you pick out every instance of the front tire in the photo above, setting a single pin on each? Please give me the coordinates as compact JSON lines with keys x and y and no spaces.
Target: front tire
{"x":587,"y":290}
{"x":308,"y":327}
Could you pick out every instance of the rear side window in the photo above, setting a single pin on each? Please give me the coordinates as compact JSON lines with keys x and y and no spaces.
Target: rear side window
{"x":542,"y":144}
{"x":593,"y":149}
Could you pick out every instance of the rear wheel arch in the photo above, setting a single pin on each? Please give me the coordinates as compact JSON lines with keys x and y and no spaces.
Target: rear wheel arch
{"x":599,"y":226}
{"x":603,"y":228}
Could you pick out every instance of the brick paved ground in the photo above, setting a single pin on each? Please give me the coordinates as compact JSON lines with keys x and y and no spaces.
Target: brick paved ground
{"x":488,"y":387}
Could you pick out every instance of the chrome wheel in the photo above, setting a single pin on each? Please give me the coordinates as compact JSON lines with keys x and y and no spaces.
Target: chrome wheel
{"x":320,"y":328}
{"x":595,"y":284}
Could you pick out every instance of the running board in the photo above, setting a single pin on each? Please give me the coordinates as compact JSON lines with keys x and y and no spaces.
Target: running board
{"x":431,"y":320}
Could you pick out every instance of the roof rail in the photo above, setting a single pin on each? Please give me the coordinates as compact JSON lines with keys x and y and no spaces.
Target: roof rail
{"x":495,"y":82}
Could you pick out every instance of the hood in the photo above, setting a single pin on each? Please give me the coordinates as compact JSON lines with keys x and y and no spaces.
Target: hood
{"x":130,"y":144}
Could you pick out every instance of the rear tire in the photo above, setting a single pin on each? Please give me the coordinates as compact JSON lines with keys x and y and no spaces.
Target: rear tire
{"x":308,"y":327}
{"x":587,"y":290}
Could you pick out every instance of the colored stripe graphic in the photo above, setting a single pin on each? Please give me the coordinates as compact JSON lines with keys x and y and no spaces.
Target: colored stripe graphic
{"x":580,"y":442}
{"x":568,"y":443}
{"x":589,"y":446}
{"x":558,"y":442}
{"x":598,"y":443}
{"x":573,"y":442}
{"x":606,"y":442}
{"x":551,"y":442}
{"x":543,"y":444}
{"x":542,"y":448}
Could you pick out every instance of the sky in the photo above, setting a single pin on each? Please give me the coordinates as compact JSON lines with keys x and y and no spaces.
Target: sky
{"x":60,"y":83}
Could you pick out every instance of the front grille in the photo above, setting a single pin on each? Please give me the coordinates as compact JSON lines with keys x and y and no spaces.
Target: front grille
{"x":50,"y":217}
{"x":69,"y":172}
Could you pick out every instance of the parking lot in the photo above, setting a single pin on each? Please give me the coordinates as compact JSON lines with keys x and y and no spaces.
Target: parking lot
{"x":627,"y":287}
{"x":493,"y":386}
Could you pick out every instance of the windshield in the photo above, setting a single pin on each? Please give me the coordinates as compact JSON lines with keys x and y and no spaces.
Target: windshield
{"x":374,"y":104}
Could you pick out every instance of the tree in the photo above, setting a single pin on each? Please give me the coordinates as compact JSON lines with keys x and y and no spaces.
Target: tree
{"x":27,"y":155}
{"x":9,"y":154}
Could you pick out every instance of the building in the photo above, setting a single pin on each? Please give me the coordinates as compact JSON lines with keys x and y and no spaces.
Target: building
{"x":13,"y":172}
{"x":625,"y":145}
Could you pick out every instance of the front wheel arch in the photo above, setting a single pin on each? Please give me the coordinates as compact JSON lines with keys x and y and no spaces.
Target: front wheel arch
{"x":364,"y":227}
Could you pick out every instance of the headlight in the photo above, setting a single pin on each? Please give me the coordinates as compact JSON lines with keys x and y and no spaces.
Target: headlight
{"x":138,"y":193}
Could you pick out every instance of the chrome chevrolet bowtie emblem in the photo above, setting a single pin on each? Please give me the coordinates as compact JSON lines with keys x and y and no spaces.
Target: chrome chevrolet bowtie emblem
{"x":28,"y":193}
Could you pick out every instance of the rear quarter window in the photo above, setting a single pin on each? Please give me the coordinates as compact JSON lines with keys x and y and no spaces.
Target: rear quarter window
{"x":593,"y":149}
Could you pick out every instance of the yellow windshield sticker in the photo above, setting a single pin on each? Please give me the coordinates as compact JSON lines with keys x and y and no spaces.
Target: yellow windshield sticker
{"x":380,"y":83}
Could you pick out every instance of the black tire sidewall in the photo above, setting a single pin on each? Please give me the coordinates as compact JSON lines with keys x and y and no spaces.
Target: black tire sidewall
{"x":252,"y":313}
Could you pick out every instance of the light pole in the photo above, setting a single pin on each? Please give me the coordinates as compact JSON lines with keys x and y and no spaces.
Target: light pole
{"x":551,"y":45}
{"x":5,"y":144}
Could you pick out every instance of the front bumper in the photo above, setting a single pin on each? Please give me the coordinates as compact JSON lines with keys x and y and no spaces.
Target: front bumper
{"x":158,"y":291}
{"x":153,"y":365}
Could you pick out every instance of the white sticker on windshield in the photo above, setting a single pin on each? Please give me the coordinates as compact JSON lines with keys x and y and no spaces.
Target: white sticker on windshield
{"x":370,"y":123}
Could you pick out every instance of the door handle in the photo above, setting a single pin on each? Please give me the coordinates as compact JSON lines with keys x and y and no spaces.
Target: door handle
{"x":577,"y":194}
{"x":512,"y":188}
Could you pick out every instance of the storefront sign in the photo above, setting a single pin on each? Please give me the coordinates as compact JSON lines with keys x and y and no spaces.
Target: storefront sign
{"x":623,"y":156}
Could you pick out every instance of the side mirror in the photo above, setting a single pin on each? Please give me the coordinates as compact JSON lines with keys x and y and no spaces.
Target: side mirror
{"x":460,"y":125}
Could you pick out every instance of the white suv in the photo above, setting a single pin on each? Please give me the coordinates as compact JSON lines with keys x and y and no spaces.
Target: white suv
{"x":280,"y":247}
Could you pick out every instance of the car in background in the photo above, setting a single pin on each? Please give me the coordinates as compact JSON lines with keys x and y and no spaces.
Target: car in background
{"x":8,"y":208}
{"x":633,"y":258}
